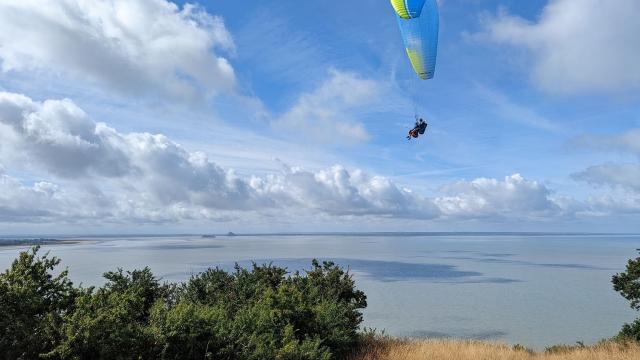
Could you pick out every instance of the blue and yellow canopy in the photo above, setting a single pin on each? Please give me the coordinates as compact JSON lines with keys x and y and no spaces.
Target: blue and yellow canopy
{"x":408,"y":9}
{"x":419,"y":24}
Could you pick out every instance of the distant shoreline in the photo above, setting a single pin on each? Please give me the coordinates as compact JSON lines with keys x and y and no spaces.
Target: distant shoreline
{"x":75,"y":237}
{"x":37,"y":241}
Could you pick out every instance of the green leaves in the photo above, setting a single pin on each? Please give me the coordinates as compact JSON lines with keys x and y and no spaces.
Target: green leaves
{"x":627,"y":284}
{"x":631,"y":331}
{"x":258,"y":313}
{"x":33,"y":303}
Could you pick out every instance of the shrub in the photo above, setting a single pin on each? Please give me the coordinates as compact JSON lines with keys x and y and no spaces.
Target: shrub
{"x":112,"y":321}
{"x":33,"y":303}
{"x":630,"y":331}
{"x":191,"y":331}
{"x":627,"y":284}
{"x":258,"y":313}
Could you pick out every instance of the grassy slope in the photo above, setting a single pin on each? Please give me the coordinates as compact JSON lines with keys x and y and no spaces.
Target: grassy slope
{"x":472,"y":350}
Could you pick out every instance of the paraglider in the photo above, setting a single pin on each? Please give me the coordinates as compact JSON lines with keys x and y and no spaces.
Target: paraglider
{"x":418,"y":129}
{"x":419,"y":25}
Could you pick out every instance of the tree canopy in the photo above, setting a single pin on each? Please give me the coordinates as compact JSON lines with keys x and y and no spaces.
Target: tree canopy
{"x":259,"y":313}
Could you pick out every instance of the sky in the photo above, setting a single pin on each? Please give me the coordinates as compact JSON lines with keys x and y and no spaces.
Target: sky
{"x":151,"y":116}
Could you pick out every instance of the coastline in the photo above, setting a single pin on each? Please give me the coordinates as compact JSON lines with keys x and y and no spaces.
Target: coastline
{"x":38,"y":241}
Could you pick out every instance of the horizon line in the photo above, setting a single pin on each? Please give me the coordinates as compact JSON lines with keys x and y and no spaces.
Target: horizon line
{"x":321,"y":233}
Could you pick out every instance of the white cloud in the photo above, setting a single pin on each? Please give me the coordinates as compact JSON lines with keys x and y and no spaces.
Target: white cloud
{"x":19,"y":203}
{"x":515,"y":197}
{"x":326,"y":114}
{"x":47,"y":202}
{"x":616,"y":175}
{"x":148,"y":176}
{"x":623,"y":203}
{"x":58,"y":136}
{"x":576,"y":46}
{"x":96,"y":175}
{"x":337,"y":191}
{"x":612,"y":174}
{"x":138,"y":47}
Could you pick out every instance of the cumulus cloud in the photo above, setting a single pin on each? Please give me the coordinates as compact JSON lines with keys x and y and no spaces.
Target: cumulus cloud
{"x":149,"y":176}
{"x":326,"y":114}
{"x":58,"y":136}
{"x":47,"y":202}
{"x":515,"y":197}
{"x":576,"y":46}
{"x":94,"y":173}
{"x":19,"y":203}
{"x":134,"y":46}
{"x":337,"y":191}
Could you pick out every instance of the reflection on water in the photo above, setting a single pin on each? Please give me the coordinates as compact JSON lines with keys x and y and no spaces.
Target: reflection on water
{"x":526,"y":263}
{"x":521,"y":288}
{"x":378,"y":270}
{"x":180,"y":246}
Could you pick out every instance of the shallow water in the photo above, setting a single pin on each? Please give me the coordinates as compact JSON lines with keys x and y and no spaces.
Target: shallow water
{"x":535,"y":290}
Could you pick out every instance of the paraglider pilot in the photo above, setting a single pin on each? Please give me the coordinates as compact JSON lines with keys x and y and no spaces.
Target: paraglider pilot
{"x":418,"y":129}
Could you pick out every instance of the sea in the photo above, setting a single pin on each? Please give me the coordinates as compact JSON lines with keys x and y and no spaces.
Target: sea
{"x":532,"y":289}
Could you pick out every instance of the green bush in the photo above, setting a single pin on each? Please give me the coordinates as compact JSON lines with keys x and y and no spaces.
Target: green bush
{"x":33,"y":303}
{"x":630,"y":331}
{"x":627,"y":284}
{"x":258,"y":313}
{"x":190,"y":331}
{"x":113,"y":321}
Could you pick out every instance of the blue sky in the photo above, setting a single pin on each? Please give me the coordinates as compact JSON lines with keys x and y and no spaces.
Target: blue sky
{"x":151,"y":116}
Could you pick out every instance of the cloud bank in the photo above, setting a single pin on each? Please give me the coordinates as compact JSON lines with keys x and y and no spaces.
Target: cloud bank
{"x":95,"y":172}
{"x":147,"y":171}
{"x":136,"y":47}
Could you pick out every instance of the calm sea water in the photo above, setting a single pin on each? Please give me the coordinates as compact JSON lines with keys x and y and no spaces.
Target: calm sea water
{"x":535,"y":290}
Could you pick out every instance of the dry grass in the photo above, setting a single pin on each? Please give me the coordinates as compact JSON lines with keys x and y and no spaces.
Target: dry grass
{"x":390,"y":349}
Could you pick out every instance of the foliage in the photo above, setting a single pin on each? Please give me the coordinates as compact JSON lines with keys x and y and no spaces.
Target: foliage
{"x":630,"y":331}
{"x":112,"y":321}
{"x":33,"y":303}
{"x":257,"y":313}
{"x":627,"y":284}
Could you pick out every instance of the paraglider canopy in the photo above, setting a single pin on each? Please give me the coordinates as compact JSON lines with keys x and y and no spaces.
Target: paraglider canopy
{"x":408,"y":9}
{"x":419,"y":24}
